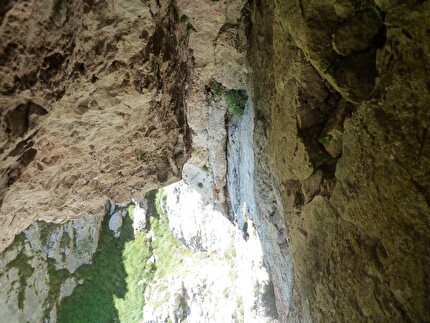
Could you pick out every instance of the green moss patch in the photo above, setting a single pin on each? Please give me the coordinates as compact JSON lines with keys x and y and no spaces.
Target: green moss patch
{"x":138,"y":273}
{"x":235,"y":101}
{"x":21,"y":262}
{"x":56,"y":278}
{"x":170,"y":253}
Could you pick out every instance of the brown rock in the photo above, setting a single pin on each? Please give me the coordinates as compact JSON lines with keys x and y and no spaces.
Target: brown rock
{"x":92,"y":107}
{"x":311,"y":186}
{"x":359,"y":249}
{"x":357,"y":33}
{"x":332,"y":134}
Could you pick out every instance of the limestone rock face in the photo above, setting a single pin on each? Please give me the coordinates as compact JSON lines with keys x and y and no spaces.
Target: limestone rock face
{"x":223,"y":279}
{"x":38,"y":268}
{"x":115,"y":223}
{"x":195,"y":221}
{"x":218,"y":43}
{"x":341,"y":91}
{"x":91,"y":106}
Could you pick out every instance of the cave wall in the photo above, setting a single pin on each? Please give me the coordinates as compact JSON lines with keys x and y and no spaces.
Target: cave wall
{"x":102,"y":100}
{"x":91,"y":106}
{"x":341,"y":91}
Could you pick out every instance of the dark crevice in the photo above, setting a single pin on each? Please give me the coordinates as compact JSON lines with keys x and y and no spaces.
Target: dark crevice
{"x":5,"y":6}
{"x":20,"y":120}
{"x":380,"y":38}
{"x":27,"y":157}
{"x":51,"y":65}
{"x":424,"y":192}
{"x":20,"y":147}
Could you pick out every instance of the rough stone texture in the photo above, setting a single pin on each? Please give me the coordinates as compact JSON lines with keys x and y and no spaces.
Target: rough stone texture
{"x":218,"y":43}
{"x":198,"y":223}
{"x":354,"y":109}
{"x":91,"y":106}
{"x":37,"y":269}
{"x":93,"y":102}
{"x":140,"y":216}
{"x":223,"y":280}
{"x":115,"y":223}
{"x":253,"y":197}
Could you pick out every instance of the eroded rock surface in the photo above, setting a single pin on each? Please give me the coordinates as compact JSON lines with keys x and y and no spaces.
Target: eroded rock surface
{"x":91,"y":106}
{"x":223,"y":279}
{"x":218,"y":43}
{"x":95,"y":101}
{"x":341,"y":130}
{"x":38,"y":268}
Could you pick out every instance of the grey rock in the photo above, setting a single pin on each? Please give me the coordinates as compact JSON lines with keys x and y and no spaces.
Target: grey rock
{"x":67,"y":287}
{"x":115,"y":223}
{"x":139,"y":216}
{"x":43,"y":248}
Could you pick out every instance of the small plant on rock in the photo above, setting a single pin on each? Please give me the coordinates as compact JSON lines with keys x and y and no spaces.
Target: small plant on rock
{"x":235,"y":101}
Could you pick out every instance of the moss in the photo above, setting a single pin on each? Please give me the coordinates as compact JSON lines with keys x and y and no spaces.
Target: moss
{"x":239,"y":306}
{"x":230,"y":254}
{"x":164,"y":296}
{"x":235,"y":101}
{"x":160,"y":199}
{"x":104,"y":279}
{"x":168,"y":250}
{"x":130,"y":210}
{"x":226,"y":292}
{"x":361,"y":5}
{"x":184,"y":20}
{"x":205,"y":168}
{"x":116,"y":281}
{"x":25,"y":271}
{"x":84,"y":247}
{"x":200,"y":185}
{"x":162,"y":288}
{"x":17,"y":243}
{"x":45,"y":231}
{"x":56,"y":279}
{"x":138,"y":272}
{"x":217,"y":89}
{"x":326,"y":139}
{"x":65,"y":240}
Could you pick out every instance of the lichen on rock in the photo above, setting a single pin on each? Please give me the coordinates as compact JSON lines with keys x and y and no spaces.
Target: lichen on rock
{"x":38,"y":268}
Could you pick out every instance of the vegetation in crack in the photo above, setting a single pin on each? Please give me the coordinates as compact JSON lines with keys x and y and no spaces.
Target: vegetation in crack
{"x":123,"y":267}
{"x":235,"y":100}
{"x":25,"y":270}
{"x":56,"y":278}
{"x":185,"y":21}
{"x":93,"y":301}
